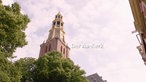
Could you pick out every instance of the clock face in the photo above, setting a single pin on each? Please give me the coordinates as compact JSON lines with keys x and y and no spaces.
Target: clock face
{"x":57,"y":33}
{"x":57,"y":30}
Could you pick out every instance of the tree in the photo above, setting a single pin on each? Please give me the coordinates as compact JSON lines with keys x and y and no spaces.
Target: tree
{"x":12,"y":36}
{"x":8,"y":71}
{"x":25,"y":65}
{"x":53,"y":68}
{"x":12,"y":26}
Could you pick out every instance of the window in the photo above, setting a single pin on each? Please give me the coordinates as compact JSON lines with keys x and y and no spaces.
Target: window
{"x":58,"y":23}
{"x":58,"y":16}
{"x":61,"y":24}
{"x":49,"y":47}
{"x":64,"y":51}
{"x":61,"y":49}
{"x":53,"y":23}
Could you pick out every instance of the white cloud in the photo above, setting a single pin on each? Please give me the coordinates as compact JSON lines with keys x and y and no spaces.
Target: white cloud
{"x":7,"y":2}
{"x":109,"y":22}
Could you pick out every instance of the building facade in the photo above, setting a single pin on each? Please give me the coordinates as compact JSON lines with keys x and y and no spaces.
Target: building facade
{"x":95,"y":78}
{"x":56,"y":39}
{"x":138,"y":8}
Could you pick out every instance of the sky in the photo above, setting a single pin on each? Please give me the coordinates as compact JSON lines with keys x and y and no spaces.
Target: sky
{"x":106,"y":24}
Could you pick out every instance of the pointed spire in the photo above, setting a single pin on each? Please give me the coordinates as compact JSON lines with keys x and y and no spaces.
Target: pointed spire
{"x":59,"y":13}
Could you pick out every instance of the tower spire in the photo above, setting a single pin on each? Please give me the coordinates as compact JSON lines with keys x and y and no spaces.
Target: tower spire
{"x":56,"y":39}
{"x":58,"y":22}
{"x":57,"y":30}
{"x":59,"y":13}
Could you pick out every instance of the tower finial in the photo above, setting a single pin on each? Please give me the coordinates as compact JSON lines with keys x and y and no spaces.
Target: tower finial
{"x":59,"y":13}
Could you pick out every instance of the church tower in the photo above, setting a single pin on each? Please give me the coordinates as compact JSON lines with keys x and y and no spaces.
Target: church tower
{"x":56,"y":39}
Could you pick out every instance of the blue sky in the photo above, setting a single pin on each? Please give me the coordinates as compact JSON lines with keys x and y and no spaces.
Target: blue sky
{"x":106,"y":22}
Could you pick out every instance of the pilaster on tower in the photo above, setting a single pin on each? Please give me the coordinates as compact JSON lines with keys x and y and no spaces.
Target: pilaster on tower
{"x":56,"y":38}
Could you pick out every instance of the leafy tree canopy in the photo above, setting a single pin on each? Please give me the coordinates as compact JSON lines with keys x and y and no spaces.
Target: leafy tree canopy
{"x":25,"y":65}
{"x":12,"y":27}
{"x":8,"y":71}
{"x":50,"y":68}
{"x":53,"y":68}
{"x":12,"y":36}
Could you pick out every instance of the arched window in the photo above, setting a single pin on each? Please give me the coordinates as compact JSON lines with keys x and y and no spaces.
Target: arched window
{"x":58,"y":23}
{"x":61,"y":24}
{"x":58,"y":16}
{"x":61,"y":49}
{"x":49,"y":47}
{"x":64,"y":51}
{"x":53,"y":23}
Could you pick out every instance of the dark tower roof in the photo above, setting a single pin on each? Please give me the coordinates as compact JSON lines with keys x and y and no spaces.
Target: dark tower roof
{"x":95,"y":78}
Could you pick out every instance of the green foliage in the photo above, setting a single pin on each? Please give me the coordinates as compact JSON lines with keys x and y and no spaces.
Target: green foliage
{"x":49,"y":68}
{"x":12,"y":36}
{"x":8,"y":71}
{"x":53,"y":68}
{"x":25,"y":65}
{"x":12,"y":26}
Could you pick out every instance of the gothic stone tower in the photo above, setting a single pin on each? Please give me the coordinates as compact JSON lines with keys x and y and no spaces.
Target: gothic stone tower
{"x":56,"y":41}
